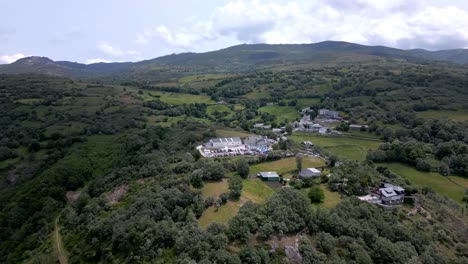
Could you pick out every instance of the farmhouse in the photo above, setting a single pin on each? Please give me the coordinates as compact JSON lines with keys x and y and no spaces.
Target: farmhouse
{"x":309,"y":172}
{"x":269,"y":176}
{"x":391,"y":194}
{"x":386,"y":195}
{"x":224,"y":142}
{"x":325,"y":113}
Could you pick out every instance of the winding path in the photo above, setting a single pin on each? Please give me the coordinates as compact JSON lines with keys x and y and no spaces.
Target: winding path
{"x":59,"y":243}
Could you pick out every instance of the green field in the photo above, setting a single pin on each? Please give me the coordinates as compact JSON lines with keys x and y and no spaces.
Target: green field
{"x":254,"y":190}
{"x":331,"y":198}
{"x":258,"y":94}
{"x":287,"y":165}
{"x":177,"y":98}
{"x":214,"y":189}
{"x":437,"y":182}
{"x":222,"y":215}
{"x":462,"y":181}
{"x":461,"y":115}
{"x":281,"y":112}
{"x":342,"y":146}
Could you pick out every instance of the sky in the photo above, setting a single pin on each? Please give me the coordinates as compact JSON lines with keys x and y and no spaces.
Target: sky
{"x":90,"y":31}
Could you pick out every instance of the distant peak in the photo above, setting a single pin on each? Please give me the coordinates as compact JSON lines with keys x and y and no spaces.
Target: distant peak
{"x":33,"y":60}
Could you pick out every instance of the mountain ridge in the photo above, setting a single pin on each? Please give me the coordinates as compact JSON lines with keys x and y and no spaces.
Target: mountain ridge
{"x":237,"y":58}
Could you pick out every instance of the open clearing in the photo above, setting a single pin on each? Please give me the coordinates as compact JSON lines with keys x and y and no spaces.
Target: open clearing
{"x":254,"y":190}
{"x":177,"y":98}
{"x":281,"y":112}
{"x":461,"y":115}
{"x":437,"y":182}
{"x":342,"y":146}
{"x":331,"y":198}
{"x":460,"y":180}
{"x":286,"y":165}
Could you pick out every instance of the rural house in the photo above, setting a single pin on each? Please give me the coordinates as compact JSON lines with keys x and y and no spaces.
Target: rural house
{"x":391,"y":194}
{"x":309,"y":172}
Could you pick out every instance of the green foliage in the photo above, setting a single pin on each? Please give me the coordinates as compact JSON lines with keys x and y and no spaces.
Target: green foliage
{"x":243,"y":168}
{"x":316,"y":195}
{"x":235,"y":187}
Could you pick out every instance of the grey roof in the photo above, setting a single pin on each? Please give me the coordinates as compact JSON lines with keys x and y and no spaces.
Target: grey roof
{"x":234,"y":139}
{"x":269,"y":174}
{"x":394,"y":187}
{"x":387,"y":192}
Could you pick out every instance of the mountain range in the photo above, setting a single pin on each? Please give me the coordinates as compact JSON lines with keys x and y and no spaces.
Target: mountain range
{"x":238,"y":58}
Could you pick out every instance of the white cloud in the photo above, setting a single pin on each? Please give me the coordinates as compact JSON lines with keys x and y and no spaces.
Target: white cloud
{"x":397,"y":23}
{"x":109,"y":50}
{"x":6,"y":59}
{"x":91,"y":61}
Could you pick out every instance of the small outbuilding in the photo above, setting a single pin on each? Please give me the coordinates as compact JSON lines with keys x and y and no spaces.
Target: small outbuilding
{"x":269,"y":176}
{"x":309,"y":172}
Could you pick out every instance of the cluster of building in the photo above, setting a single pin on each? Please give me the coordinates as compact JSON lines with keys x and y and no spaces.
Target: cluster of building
{"x":235,"y":146}
{"x":304,"y":173}
{"x":387,"y":195}
{"x":306,"y":124}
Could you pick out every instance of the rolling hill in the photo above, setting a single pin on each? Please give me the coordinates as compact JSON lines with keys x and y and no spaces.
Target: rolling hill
{"x":240,"y":58}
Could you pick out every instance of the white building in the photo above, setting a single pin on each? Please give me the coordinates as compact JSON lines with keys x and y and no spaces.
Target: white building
{"x":224,"y":142}
{"x":310,"y":172}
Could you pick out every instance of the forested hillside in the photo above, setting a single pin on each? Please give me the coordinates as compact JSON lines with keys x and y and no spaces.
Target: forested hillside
{"x":108,"y":165}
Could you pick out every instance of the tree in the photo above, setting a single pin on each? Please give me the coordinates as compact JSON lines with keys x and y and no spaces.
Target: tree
{"x":316,"y":195}
{"x":196,"y":181}
{"x":289,"y":128}
{"x":243,"y":168}
{"x":235,"y":187}
{"x":299,"y":159}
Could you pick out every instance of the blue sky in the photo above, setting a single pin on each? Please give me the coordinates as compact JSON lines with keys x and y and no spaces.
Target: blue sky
{"x":116,"y":30}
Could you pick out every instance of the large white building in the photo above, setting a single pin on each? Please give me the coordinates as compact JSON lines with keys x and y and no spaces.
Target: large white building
{"x":224,"y":142}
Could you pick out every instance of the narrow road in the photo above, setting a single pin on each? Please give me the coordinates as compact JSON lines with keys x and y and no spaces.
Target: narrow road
{"x":59,"y":244}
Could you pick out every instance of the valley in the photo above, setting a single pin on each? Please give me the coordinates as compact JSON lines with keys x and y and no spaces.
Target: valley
{"x":122,"y":137}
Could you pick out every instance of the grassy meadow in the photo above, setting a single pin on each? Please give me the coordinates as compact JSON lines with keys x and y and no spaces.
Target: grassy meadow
{"x":281,"y":112}
{"x":285,"y":166}
{"x":342,"y":146}
{"x":437,"y":182}
{"x":460,"y":115}
{"x":254,"y":190}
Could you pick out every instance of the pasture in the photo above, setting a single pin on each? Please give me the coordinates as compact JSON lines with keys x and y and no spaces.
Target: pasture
{"x":437,"y":182}
{"x":177,"y":98}
{"x":281,"y":112}
{"x":254,"y":190}
{"x":341,"y":146}
{"x":331,"y":198}
{"x":460,"y":115}
{"x":287,"y":165}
